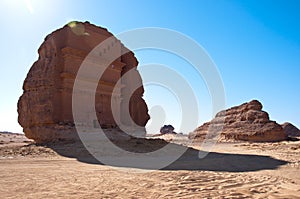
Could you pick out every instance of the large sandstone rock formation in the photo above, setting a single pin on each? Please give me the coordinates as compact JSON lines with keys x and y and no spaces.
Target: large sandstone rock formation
{"x":290,"y":130}
{"x":45,"y":108}
{"x":245,"y":122}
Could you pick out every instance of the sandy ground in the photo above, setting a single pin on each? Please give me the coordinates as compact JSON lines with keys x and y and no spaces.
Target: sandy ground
{"x":30,"y":171}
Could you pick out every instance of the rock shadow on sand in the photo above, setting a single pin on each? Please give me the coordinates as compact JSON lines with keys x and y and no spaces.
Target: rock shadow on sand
{"x":189,"y":160}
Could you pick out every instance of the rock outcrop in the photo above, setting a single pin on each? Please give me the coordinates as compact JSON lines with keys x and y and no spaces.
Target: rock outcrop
{"x":246,"y":122}
{"x":167,"y":129}
{"x":290,"y":130}
{"x":45,"y":108}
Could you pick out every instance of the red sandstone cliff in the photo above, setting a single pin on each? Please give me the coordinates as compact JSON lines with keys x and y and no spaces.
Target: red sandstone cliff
{"x":45,"y":108}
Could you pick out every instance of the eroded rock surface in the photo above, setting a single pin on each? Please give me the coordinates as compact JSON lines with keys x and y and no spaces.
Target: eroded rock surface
{"x":290,"y":130}
{"x":246,"y":122}
{"x":45,"y":108}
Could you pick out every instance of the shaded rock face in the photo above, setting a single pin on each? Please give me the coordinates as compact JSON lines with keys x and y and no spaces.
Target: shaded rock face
{"x":167,"y":129}
{"x":45,"y":108}
{"x":290,"y":130}
{"x":246,"y":122}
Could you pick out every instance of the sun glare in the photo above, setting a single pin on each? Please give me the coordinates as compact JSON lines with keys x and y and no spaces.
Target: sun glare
{"x":19,"y":6}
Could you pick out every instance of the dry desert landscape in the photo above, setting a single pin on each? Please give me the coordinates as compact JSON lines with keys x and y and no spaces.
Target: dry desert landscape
{"x":36,"y":171}
{"x":63,"y":108}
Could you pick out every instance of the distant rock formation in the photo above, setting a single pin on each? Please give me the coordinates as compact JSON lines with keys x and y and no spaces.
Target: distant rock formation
{"x":45,"y":108}
{"x":167,"y":129}
{"x":246,"y":122}
{"x":290,"y":130}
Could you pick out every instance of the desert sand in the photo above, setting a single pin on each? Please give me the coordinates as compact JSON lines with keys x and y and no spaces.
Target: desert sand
{"x":232,"y":170}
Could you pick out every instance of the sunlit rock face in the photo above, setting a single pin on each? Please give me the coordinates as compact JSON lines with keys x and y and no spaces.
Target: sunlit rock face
{"x":45,"y":107}
{"x":247,"y":122}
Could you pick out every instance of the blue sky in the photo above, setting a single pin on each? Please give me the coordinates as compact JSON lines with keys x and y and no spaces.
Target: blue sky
{"x":255,"y":45}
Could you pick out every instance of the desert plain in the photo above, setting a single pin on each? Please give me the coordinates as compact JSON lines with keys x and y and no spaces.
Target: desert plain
{"x":239,"y":170}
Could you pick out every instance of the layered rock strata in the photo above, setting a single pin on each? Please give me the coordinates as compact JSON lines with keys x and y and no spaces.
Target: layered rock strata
{"x":247,"y":122}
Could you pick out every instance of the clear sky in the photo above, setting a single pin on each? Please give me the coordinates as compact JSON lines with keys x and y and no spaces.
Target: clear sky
{"x":255,"y":45}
